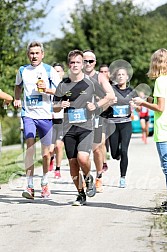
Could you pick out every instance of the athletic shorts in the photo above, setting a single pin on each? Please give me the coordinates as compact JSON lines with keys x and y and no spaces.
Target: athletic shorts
{"x":42,"y":126}
{"x":78,"y":139}
{"x":57,"y":133}
{"x":146,"y":118}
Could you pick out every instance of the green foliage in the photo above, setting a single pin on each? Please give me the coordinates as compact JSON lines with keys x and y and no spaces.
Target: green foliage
{"x":10,"y":130}
{"x":114,"y":30}
{"x":12,"y":163}
{"x":17,"y":18}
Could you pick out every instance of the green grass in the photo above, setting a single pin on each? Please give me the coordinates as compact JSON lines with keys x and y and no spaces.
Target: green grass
{"x":12,"y":162}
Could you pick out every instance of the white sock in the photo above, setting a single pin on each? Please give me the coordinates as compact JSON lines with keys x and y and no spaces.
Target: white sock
{"x":44,"y":180}
{"x":30,"y":181}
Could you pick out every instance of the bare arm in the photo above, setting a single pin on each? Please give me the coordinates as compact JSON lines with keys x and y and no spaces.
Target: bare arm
{"x":103,"y":81}
{"x":6,"y":97}
{"x":17,"y":92}
{"x":156,"y":107}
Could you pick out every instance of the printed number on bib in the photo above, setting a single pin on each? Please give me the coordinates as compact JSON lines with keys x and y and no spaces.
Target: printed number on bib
{"x":77,"y":115}
{"x":121,"y":111}
{"x":34,"y":101}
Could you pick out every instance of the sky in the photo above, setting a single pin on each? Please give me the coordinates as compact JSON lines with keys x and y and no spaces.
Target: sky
{"x":60,"y":14}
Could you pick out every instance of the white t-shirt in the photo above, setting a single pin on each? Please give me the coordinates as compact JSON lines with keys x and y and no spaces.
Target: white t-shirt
{"x":37,"y":105}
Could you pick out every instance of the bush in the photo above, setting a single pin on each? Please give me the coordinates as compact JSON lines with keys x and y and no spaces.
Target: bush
{"x":10,"y":130}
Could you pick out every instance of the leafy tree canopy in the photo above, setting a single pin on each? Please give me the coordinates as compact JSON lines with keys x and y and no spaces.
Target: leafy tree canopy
{"x":114,"y":30}
{"x":17,"y":17}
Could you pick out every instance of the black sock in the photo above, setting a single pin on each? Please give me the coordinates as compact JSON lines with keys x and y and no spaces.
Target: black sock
{"x":81,"y":191}
{"x":99,"y":175}
{"x":57,"y":168}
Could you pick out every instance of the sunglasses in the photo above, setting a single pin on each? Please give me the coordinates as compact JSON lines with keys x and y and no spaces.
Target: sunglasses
{"x":89,"y":61}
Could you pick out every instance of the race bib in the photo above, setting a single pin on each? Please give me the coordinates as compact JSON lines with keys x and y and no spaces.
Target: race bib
{"x":77,"y":115}
{"x":34,"y":101}
{"x":121,"y":111}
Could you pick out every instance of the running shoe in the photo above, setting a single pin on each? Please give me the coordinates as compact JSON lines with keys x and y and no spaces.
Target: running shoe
{"x":51,"y":165}
{"x":162,"y":210}
{"x":28,"y":193}
{"x":122,"y":183}
{"x":164,"y":203}
{"x":45,"y":192}
{"x":90,"y":186}
{"x":98,"y":184}
{"x":57,"y":174}
{"x":105,"y":167}
{"x":80,"y":200}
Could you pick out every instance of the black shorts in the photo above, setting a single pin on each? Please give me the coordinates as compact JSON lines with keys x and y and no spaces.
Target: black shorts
{"x":146,"y":118}
{"x":78,"y":139}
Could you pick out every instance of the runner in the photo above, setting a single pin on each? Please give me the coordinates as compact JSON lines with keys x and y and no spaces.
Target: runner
{"x":89,"y":69}
{"x":57,"y":147}
{"x":39,"y":81}
{"x":75,"y":94}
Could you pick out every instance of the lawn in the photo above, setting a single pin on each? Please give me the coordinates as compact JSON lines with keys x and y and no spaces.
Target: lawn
{"x":12,"y":162}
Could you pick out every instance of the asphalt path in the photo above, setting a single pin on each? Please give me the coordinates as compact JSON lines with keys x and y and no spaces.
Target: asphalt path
{"x":117,"y":220}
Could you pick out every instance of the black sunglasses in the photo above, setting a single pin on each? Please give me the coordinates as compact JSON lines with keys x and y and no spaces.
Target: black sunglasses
{"x":88,"y":61}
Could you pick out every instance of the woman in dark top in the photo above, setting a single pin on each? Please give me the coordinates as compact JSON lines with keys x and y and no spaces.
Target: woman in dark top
{"x":119,"y":121}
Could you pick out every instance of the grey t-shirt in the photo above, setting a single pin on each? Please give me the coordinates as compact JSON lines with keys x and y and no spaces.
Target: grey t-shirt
{"x":78,"y":94}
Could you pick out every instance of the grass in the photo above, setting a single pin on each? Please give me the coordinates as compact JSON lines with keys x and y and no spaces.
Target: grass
{"x":12,"y":162}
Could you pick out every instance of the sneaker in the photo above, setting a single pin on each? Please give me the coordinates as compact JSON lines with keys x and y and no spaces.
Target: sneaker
{"x":98,"y":184}
{"x":164,"y":203}
{"x":45,"y":192}
{"x":162,"y":210}
{"x":81,"y":200}
{"x":51,"y":165}
{"x":57,"y":174}
{"x":122,"y":183}
{"x":90,"y":186}
{"x":28,"y":193}
{"x":105,"y":167}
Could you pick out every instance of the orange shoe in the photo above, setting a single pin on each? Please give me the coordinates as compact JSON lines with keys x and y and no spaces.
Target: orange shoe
{"x":98,"y":184}
{"x":45,"y":192}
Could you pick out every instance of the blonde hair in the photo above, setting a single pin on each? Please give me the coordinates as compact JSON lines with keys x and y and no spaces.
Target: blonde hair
{"x":158,"y":64}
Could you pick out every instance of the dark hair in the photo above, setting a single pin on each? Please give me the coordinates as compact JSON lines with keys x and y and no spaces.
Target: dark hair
{"x":74,"y":53}
{"x":103,"y":65}
{"x":58,"y":64}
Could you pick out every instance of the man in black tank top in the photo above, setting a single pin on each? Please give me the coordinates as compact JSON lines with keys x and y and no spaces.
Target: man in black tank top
{"x":89,"y":69}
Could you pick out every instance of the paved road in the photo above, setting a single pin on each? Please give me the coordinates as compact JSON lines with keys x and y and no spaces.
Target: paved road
{"x":116,"y":220}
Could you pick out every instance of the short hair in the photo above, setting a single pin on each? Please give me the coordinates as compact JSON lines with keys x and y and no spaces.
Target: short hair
{"x":103,"y":65}
{"x":35,"y":43}
{"x":74,"y":53}
{"x":58,"y":64}
{"x":89,"y":52}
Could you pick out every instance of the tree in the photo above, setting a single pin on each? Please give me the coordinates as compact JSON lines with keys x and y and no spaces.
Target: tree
{"x":17,"y":17}
{"x":114,"y":30}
